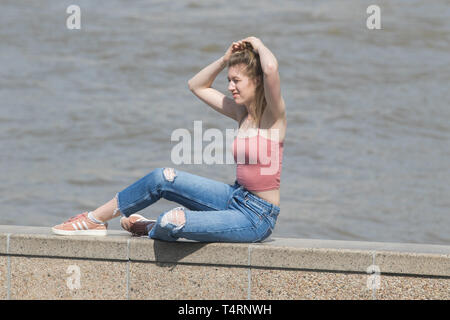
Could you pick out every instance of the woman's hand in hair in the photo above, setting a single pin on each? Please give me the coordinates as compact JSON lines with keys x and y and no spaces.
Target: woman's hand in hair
{"x":234,"y":47}
{"x":255,"y":42}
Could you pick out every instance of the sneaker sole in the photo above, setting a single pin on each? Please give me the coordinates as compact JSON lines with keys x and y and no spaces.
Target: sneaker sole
{"x":80,"y":232}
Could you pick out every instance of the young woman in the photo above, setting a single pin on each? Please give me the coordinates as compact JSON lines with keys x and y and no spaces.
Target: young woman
{"x":213,"y":211}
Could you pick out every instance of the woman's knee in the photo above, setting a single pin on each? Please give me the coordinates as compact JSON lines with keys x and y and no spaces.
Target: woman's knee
{"x":165,"y":174}
{"x":160,"y":176}
{"x":169,"y":174}
{"x":169,"y":224}
{"x":175,"y":217}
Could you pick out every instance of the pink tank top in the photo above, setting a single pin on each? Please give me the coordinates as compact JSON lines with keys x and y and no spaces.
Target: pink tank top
{"x":258,"y":162}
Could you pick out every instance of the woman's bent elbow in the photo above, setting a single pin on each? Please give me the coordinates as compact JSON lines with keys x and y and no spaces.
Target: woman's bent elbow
{"x":190,"y":85}
{"x":194,"y":87}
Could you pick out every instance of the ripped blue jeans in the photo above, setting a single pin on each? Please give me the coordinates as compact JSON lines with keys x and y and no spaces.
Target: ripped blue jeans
{"x":213,"y":211}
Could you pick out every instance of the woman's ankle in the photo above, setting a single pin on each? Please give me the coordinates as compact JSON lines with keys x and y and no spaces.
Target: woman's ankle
{"x":93,"y":218}
{"x":107,"y":211}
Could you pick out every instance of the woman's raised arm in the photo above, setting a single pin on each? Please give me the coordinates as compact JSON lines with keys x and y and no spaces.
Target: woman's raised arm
{"x":269,"y":65}
{"x":201,"y":84}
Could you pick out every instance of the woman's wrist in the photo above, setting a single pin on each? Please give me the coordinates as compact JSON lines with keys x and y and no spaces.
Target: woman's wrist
{"x":223,"y":62}
{"x":257,"y":45}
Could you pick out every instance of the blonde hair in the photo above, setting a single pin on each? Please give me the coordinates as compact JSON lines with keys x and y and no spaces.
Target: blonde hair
{"x":254,"y":71}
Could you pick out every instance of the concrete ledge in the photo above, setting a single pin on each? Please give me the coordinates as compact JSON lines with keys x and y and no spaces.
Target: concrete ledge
{"x":278,"y":268}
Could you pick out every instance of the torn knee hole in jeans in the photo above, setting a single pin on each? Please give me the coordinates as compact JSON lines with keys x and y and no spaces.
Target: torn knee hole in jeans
{"x":169,"y":174}
{"x":116,"y":210}
{"x":175,"y":216}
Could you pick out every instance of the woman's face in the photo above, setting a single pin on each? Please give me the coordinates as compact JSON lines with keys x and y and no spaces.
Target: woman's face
{"x":240,"y":85}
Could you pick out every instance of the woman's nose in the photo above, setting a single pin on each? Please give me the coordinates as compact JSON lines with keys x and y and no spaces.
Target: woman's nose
{"x":230,"y":86}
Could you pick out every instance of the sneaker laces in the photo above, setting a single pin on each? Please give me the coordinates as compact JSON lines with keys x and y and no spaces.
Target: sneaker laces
{"x":76,"y":217}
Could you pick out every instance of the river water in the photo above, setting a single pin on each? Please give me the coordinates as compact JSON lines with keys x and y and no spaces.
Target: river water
{"x":84,"y":113}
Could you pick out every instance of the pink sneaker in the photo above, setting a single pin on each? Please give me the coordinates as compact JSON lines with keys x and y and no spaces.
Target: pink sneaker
{"x":81,"y":225}
{"x":137,"y":225}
